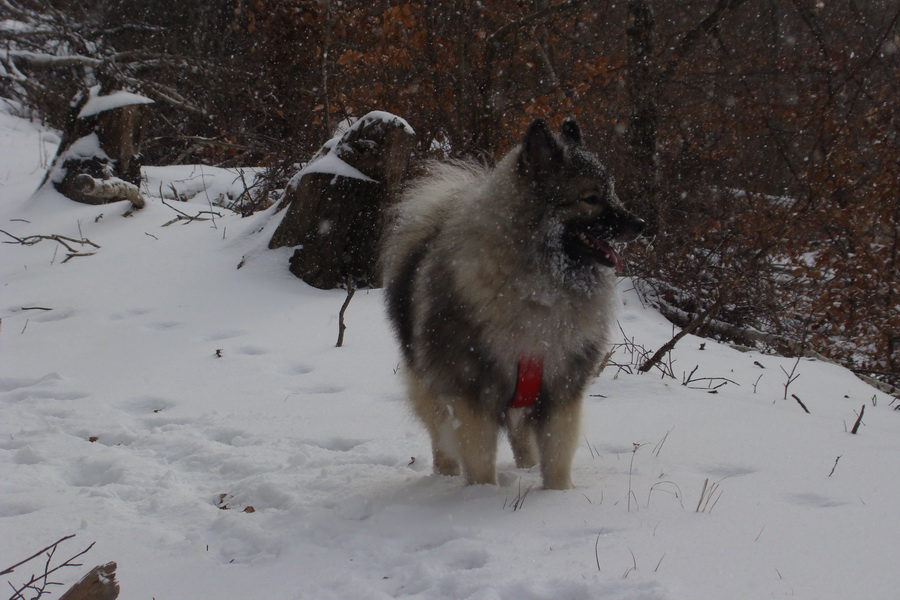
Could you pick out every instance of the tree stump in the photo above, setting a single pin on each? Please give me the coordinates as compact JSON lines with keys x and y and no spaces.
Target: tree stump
{"x":334,"y":218}
{"x":99,"y":584}
{"x":102,"y":141}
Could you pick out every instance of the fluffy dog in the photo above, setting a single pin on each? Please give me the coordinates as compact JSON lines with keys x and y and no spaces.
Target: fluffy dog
{"x":500,"y":287}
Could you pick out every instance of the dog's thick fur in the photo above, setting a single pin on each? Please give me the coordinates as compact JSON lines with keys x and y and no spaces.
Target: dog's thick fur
{"x":483,"y":267}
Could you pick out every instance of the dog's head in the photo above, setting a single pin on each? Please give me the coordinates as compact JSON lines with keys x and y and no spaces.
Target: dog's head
{"x":576,"y":188}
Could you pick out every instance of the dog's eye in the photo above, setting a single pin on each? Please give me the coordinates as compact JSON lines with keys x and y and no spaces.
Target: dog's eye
{"x":591,"y":198}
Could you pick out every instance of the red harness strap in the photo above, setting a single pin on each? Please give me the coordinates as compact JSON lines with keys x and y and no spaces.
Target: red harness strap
{"x":528,"y":384}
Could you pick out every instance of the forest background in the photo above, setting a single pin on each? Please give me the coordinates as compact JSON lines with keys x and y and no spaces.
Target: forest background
{"x":758,"y":138}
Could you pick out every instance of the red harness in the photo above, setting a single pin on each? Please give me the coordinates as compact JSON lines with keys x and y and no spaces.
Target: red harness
{"x":528,"y":384}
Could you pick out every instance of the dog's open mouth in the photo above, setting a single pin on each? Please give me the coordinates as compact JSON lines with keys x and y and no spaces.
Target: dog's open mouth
{"x":596,"y":249}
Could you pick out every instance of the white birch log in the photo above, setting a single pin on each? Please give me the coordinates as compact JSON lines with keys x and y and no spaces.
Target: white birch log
{"x":109,"y":188}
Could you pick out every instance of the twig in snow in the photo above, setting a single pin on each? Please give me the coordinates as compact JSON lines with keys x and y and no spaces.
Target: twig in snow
{"x":183,"y":216}
{"x":633,"y":566}
{"x":791,"y":377}
{"x":858,"y":420}
{"x":800,"y":402}
{"x":39,"y":583}
{"x":659,"y":563}
{"x":341,"y":325}
{"x":677,"y":491}
{"x":835,"y":465}
{"x":700,"y":320}
{"x":9,"y":570}
{"x":706,"y":496}
{"x":688,"y":379}
{"x":630,"y":473}
{"x":638,"y":355}
{"x":591,"y":450}
{"x":658,"y":448}
{"x":756,"y":383}
{"x":75,"y":254}
{"x":67,"y":242}
{"x":519,"y":501}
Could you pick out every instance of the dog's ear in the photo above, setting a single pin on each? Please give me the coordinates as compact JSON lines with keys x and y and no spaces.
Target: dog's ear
{"x":541,"y":152}
{"x":571,"y":132}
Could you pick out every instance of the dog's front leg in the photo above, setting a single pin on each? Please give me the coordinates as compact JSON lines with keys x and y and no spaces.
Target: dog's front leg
{"x":475,"y":434}
{"x":520,"y":431}
{"x":557,"y":439}
{"x":437,"y":417}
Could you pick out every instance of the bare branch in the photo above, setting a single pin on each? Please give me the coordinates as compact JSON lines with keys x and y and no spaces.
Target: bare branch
{"x":39,"y":583}
{"x":49,"y":60}
{"x":858,"y":420}
{"x":341,"y":326}
{"x":707,"y":26}
{"x":9,"y":570}
{"x":701,"y":319}
{"x":183,"y":216}
{"x":65,"y":241}
{"x":800,"y":402}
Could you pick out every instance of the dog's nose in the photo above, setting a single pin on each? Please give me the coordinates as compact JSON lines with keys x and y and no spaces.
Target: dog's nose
{"x":632,"y":228}
{"x":638,"y":225}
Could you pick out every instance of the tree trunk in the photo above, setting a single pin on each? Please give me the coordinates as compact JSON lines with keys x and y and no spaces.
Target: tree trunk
{"x":643,"y":90}
{"x":101,"y":141}
{"x":334,"y":217}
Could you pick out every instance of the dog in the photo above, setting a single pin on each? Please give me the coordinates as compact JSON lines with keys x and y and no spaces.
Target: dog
{"x":500,"y":288}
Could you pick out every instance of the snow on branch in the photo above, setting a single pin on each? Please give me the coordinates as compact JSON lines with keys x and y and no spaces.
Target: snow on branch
{"x":97,"y":104}
{"x":40,"y":59}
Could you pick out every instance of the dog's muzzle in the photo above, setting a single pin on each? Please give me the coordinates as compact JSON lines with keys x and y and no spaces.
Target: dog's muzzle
{"x":595,"y":241}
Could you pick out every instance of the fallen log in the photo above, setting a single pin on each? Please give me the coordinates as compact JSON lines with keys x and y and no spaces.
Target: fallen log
{"x":108,"y":189}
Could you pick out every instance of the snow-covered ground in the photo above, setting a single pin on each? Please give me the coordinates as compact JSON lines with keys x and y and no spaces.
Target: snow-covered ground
{"x":165,"y":384}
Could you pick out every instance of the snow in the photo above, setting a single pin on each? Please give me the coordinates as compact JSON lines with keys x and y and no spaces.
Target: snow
{"x":86,"y":147}
{"x":318,"y":441}
{"x":97,"y":104}
{"x":384,"y":117}
{"x":201,"y":183}
{"x":330,"y":164}
{"x":328,"y":160}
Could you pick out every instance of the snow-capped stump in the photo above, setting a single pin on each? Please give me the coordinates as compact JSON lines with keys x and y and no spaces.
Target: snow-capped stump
{"x":98,"y":159}
{"x":335,"y":203}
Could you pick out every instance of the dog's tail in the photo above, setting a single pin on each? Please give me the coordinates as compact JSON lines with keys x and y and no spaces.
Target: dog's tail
{"x":422,"y":210}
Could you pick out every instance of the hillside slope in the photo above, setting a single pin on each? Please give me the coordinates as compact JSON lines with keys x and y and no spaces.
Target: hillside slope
{"x":164,"y":385}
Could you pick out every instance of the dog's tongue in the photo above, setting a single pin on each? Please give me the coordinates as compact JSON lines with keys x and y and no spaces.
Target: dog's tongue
{"x":611,"y":254}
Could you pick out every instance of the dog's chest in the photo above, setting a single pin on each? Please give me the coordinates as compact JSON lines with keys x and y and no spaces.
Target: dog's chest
{"x":520,"y":327}
{"x":522,"y":310}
